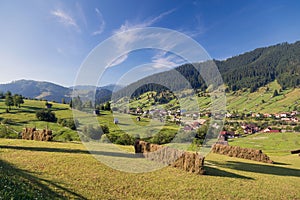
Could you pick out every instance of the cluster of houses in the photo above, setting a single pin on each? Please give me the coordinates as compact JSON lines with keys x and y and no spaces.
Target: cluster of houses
{"x":285,"y":116}
{"x":249,"y":129}
{"x":193,"y":125}
{"x":192,"y":120}
{"x":165,"y":112}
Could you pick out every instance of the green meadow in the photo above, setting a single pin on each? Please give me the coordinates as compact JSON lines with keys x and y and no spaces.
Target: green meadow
{"x":56,"y":170}
{"x":19,"y":118}
{"x":66,"y":170}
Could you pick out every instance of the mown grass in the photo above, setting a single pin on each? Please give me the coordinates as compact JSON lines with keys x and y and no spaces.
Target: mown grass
{"x":270,"y":143}
{"x":51,"y":170}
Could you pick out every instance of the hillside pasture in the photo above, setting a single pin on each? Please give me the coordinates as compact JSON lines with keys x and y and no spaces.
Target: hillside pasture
{"x":49,"y":170}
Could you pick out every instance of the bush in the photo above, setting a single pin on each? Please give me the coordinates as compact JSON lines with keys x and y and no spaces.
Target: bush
{"x":70,"y":123}
{"x":162,"y":138}
{"x":297,"y":128}
{"x":105,"y":129}
{"x":46,"y":115}
{"x":95,"y":133}
{"x":125,"y":139}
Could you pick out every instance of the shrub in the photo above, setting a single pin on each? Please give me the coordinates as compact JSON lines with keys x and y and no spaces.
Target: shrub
{"x":46,"y":115}
{"x":162,"y":138}
{"x":92,"y":132}
{"x":125,"y":139}
{"x":70,"y":123}
{"x":105,"y":129}
{"x":297,"y":128}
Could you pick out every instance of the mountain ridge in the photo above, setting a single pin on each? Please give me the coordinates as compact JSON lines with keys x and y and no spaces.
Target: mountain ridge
{"x":50,"y":91}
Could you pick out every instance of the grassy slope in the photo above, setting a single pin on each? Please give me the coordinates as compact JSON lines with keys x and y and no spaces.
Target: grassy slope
{"x":253,"y":101}
{"x":66,"y":170}
{"x":270,"y":143}
{"x":244,"y":101}
{"x":25,"y":117}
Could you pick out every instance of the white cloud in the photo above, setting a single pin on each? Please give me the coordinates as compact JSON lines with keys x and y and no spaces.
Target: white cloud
{"x":124,"y":40}
{"x":118,"y":60}
{"x":162,"y":60}
{"x":127,"y":25}
{"x":65,"y":18}
{"x":101,"y":22}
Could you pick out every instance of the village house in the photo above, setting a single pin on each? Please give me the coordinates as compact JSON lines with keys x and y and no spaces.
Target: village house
{"x":294,"y":119}
{"x":229,"y":134}
{"x":266,"y":115}
{"x":250,"y":128}
{"x":228,"y":115}
{"x":270,"y":130}
{"x":284,"y":115}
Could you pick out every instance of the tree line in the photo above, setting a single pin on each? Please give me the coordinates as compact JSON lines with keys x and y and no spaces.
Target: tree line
{"x":12,"y":100}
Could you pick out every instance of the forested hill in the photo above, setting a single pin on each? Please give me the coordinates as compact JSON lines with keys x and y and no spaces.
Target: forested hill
{"x":250,"y":70}
{"x":261,"y":66}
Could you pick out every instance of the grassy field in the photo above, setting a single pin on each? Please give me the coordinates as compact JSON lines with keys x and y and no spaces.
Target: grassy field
{"x":51,"y":170}
{"x":271,"y":143}
{"x":25,"y":117}
{"x":59,"y":170}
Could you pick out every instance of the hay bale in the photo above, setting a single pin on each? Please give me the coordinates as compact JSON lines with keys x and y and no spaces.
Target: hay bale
{"x":239,"y":152}
{"x":38,"y":135}
{"x":190,"y":162}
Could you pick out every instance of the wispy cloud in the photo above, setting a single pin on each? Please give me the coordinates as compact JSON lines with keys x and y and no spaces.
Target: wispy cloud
{"x":119,"y":60}
{"x":198,"y":28}
{"x":127,"y":25}
{"x":101,"y":21}
{"x":65,"y":18}
{"x":125,"y":40}
{"x":163,"y":60}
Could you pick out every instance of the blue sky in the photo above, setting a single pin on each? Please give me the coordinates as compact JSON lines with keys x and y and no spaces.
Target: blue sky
{"x":49,"y":40}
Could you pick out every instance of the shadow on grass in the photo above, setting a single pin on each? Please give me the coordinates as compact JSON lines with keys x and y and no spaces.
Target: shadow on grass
{"x":32,"y":109}
{"x":259,"y":168}
{"x":76,"y":151}
{"x":212,"y":171}
{"x":16,"y":183}
{"x":279,"y":163}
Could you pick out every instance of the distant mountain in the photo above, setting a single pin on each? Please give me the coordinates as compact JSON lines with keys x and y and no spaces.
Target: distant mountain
{"x":38,"y":90}
{"x":111,"y":87}
{"x":53,"y":92}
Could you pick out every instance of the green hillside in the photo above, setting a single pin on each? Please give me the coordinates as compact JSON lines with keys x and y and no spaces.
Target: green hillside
{"x":260,"y":101}
{"x":25,"y":116}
